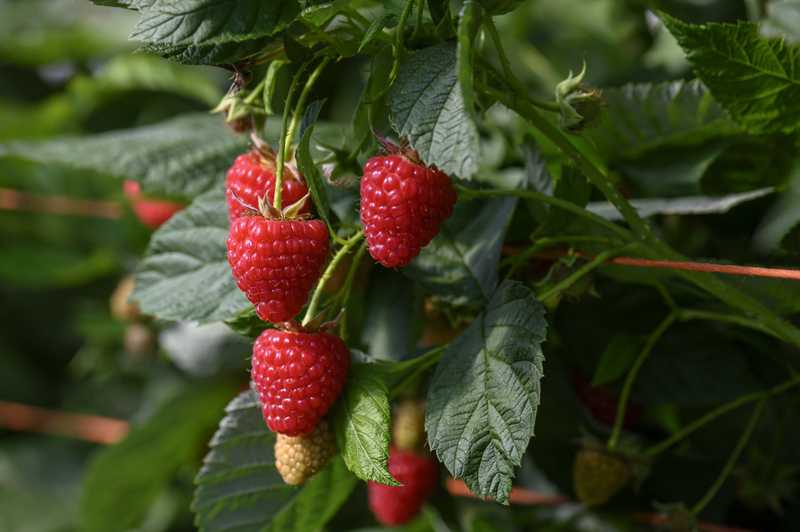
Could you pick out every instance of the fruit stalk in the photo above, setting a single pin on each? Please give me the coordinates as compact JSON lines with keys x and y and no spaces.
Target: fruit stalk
{"x":328,"y":273}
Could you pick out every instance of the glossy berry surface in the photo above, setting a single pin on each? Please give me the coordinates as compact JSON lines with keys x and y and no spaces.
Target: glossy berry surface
{"x":151,"y":212}
{"x":277,"y":262}
{"x":252,"y":176}
{"x":298,"y":458}
{"x":403,"y":205}
{"x":298,"y":377}
{"x":395,"y":505}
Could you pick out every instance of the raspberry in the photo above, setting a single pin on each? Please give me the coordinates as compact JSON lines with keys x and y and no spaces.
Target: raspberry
{"x":408,"y":425}
{"x":276,"y":262}
{"x":599,"y":475}
{"x":403,"y":204}
{"x":252,"y":176}
{"x":151,"y":212}
{"x":298,"y":458}
{"x":602,"y":402}
{"x":298,"y":376}
{"x":395,"y":505}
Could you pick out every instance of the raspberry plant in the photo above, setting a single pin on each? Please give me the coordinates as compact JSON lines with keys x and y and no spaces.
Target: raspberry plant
{"x":406,"y":202}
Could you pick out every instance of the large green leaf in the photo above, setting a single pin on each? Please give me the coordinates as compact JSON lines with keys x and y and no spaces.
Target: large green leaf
{"x":460,"y":264}
{"x":427,"y":107}
{"x":210,"y":31}
{"x":239,"y":489}
{"x":181,"y":157}
{"x":185,"y":273}
{"x":483,"y":398}
{"x":641,"y":117}
{"x":362,"y":419}
{"x":124,"y":480}
{"x":756,"y":79}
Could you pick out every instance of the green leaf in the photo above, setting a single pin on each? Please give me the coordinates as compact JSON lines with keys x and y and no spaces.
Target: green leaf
{"x":642,"y":117}
{"x":182,"y":157}
{"x":483,"y":398}
{"x":210,"y":32}
{"x":620,"y":353}
{"x":684,"y":205}
{"x":362,"y":420}
{"x":427,"y":107}
{"x":460,"y":264}
{"x":124,"y":480}
{"x":239,"y":489}
{"x":756,"y":79}
{"x":185,"y":273}
{"x":309,"y":168}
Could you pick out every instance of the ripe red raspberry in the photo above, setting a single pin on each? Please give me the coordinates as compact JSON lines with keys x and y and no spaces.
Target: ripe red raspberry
{"x":403,"y":204}
{"x":298,"y":376}
{"x":395,"y":505}
{"x":151,"y":212}
{"x":276,"y":262}
{"x":602,"y":402}
{"x":252,"y":176}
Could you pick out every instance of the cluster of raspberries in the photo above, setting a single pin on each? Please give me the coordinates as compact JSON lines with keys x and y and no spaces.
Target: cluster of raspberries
{"x":278,"y":255}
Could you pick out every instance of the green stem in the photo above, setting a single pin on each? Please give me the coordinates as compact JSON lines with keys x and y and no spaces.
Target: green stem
{"x":255,"y":92}
{"x":622,"y":405}
{"x":732,"y":459}
{"x":516,"y":261}
{"x":720,"y":411}
{"x":348,"y":288}
{"x":418,"y":25}
{"x":287,"y":108}
{"x":692,"y":314}
{"x":468,"y":193}
{"x":328,"y":273}
{"x":292,"y":128}
{"x":580,"y":272}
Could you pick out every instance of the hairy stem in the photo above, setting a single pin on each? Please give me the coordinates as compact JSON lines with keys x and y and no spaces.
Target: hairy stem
{"x":328,"y":273}
{"x":732,"y":459}
{"x":622,"y":405}
{"x":292,"y":128}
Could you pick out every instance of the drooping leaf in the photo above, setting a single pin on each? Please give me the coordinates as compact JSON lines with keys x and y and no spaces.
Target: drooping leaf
{"x":686,"y":205}
{"x":124,"y":480}
{"x":362,"y":419}
{"x":756,"y":79}
{"x":460,"y":264}
{"x":641,"y":117}
{"x":210,"y":32}
{"x":427,"y":107}
{"x":182,"y":157}
{"x":239,"y":489}
{"x":483,"y":398}
{"x":185,"y":273}
{"x":308,"y":167}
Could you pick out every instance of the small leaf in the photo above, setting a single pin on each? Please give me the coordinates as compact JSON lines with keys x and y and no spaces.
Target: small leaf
{"x":185,"y":273}
{"x":756,"y":79}
{"x":210,"y":31}
{"x":182,"y":157}
{"x":620,"y":353}
{"x":427,"y":107}
{"x":124,"y":480}
{"x":309,"y":168}
{"x":239,"y":489}
{"x":362,"y":419}
{"x":685,"y":205}
{"x":460,"y":264}
{"x":483,"y":398}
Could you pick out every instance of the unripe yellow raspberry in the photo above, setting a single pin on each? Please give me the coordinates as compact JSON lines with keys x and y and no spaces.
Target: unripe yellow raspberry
{"x":599,"y":475}
{"x":298,"y":458}
{"x":408,"y":425}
